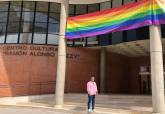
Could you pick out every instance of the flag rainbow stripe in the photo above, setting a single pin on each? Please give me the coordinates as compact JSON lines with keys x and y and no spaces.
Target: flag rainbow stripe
{"x":130,"y":16}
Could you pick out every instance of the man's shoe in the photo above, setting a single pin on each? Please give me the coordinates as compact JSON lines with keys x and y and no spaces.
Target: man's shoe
{"x":89,"y":110}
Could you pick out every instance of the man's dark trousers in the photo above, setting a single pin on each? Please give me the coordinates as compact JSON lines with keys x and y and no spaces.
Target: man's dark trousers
{"x":91,"y":100}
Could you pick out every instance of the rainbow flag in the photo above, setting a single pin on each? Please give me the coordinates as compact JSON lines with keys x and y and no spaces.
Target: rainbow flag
{"x":130,"y":16}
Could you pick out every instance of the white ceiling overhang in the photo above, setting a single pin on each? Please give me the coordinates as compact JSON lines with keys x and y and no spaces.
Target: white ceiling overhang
{"x":86,"y":1}
{"x":70,"y":1}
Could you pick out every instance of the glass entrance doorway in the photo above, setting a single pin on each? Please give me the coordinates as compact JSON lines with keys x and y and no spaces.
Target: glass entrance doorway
{"x":145,"y":80}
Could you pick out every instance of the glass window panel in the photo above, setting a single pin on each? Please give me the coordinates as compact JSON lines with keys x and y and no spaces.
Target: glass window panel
{"x":105,"y":5}
{"x":131,"y":35}
{"x":91,"y":39}
{"x":55,"y":7}
{"x":163,"y":30}
{"x":39,"y":38}
{"x":79,"y":43}
{"x":13,"y":27}
{"x":116,"y":3}
{"x":93,"y":7}
{"x":54,"y":17}
{"x":3,"y":16}
{"x":52,"y":39}
{"x":71,"y":15}
{"x":117,"y":37}
{"x":27,"y":16}
{"x":2,"y":32}
{"x":42,"y":6}
{"x":41,"y":17}
{"x":40,"y":27}
{"x":12,"y":38}
{"x":2,"y":28}
{"x":104,"y":39}
{"x":80,"y":39}
{"x":143,"y":33}
{"x":26,"y":27}
{"x":2,"y":38}
{"x":4,"y":6}
{"x":28,"y":6}
{"x":53,"y":28}
{"x":128,"y":1}
{"x":69,"y":42}
{"x":14,"y":16}
{"x":15,"y":6}
{"x":71,"y":10}
{"x":25,"y":38}
{"x":81,"y":9}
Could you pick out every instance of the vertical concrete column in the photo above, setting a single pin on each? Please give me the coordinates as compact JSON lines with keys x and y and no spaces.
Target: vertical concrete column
{"x":102,"y":69}
{"x":61,"y":63}
{"x":157,"y":70}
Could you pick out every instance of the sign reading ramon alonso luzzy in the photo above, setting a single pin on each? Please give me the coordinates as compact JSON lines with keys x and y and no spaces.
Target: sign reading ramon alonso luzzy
{"x":30,"y":50}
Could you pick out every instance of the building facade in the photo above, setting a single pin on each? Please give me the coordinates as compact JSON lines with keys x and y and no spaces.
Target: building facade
{"x":29,"y":36}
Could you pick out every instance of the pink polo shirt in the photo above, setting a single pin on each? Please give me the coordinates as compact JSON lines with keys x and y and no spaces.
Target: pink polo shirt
{"x":91,"y":88}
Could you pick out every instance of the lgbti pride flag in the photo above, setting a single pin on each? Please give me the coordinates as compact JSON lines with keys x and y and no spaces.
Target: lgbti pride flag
{"x":130,"y":16}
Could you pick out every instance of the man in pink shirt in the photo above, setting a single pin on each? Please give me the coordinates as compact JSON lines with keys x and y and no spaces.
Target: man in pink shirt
{"x":92,"y":92}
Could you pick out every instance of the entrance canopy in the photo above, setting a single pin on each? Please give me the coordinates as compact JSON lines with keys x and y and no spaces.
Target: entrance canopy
{"x":130,"y":16}
{"x":77,"y":1}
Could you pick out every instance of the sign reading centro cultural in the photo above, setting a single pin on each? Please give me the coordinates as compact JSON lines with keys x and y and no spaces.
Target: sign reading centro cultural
{"x":24,"y":50}
{"x":33,"y":50}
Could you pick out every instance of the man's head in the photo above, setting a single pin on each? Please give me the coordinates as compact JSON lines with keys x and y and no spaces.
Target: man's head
{"x":92,"y":78}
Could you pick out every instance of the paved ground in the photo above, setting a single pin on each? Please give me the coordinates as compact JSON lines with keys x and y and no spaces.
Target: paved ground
{"x":104,"y":103}
{"x":26,"y":110}
{"x":34,"y":110}
{"x":77,"y":104}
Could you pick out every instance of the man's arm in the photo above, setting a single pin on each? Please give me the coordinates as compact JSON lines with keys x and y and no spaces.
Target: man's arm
{"x":96,"y":89}
{"x":88,"y":88}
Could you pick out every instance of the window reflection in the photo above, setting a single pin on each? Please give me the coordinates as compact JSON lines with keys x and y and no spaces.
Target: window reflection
{"x":12,"y":38}
{"x":117,"y":37}
{"x":3,"y":16}
{"x":93,"y":8}
{"x":15,"y":6}
{"x":54,"y":7}
{"x":28,"y":6}
{"x":3,"y":6}
{"x":14,"y":16}
{"x":105,"y":5}
{"x":26,"y":27}
{"x":40,"y":27}
{"x":13,"y":27}
{"x":39,"y":38}
{"x":54,"y":17}
{"x":2,"y":32}
{"x":52,"y":39}
{"x":128,"y":1}
{"x":72,"y":10}
{"x":42,"y":7}
{"x":41,"y":17}
{"x":53,"y":28}
{"x":29,"y":22}
{"x":163,"y":30}
{"x":81,"y":9}
{"x":27,"y":16}
{"x":25,"y":38}
{"x":104,"y":39}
